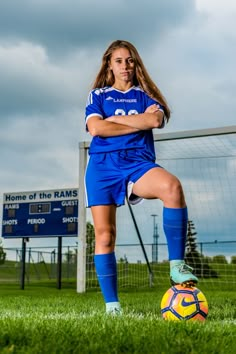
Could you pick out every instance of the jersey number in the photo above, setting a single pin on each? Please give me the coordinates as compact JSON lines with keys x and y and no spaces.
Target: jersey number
{"x":121,"y":112}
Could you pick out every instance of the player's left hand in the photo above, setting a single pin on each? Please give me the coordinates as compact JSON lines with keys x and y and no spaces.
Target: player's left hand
{"x":153,"y":108}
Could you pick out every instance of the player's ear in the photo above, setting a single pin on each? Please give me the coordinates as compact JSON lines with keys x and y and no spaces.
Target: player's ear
{"x":109,"y":65}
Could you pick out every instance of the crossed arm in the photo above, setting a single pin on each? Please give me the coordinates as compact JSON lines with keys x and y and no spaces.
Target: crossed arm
{"x":123,"y":125}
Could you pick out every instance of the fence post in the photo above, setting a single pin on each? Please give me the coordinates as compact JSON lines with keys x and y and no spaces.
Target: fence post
{"x":23,"y":252}
{"x":59,"y":261}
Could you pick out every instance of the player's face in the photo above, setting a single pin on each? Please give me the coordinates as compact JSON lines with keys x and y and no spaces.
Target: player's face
{"x":122,"y":65}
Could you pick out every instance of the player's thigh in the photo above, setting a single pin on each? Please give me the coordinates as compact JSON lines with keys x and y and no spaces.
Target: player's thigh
{"x":155,"y":183}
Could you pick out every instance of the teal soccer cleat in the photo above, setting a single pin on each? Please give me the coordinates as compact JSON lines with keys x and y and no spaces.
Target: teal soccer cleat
{"x":182,"y":274}
{"x":115,"y":312}
{"x":114,"y":309}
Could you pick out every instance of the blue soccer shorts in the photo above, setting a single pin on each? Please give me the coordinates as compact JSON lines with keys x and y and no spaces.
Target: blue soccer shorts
{"x":110,"y":177}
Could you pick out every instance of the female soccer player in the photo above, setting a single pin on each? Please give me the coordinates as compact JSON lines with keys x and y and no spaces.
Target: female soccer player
{"x":122,"y":109}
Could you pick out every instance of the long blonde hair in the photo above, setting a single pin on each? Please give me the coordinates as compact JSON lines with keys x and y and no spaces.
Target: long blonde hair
{"x":105,"y":76}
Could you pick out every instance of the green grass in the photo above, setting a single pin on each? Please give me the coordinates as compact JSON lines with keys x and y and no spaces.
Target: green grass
{"x":42,"y":319}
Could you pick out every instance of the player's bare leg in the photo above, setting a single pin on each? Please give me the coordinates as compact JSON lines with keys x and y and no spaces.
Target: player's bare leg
{"x":158,"y":183}
{"x":104,"y":218}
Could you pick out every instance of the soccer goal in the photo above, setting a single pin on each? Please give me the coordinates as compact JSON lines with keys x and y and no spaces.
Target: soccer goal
{"x":205,"y":162}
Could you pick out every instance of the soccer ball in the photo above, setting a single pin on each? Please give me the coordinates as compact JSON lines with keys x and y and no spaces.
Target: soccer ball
{"x":184,"y":303}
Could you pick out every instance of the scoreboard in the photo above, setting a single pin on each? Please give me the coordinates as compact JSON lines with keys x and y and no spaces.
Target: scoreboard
{"x":49,"y":213}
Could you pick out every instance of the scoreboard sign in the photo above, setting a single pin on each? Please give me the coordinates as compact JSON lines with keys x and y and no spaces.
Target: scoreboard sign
{"x":40,"y":213}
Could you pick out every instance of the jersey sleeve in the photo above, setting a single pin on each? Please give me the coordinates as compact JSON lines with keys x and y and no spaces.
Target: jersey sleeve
{"x":93,"y":106}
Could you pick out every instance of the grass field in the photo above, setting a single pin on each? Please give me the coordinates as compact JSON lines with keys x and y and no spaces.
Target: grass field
{"x":42,"y":319}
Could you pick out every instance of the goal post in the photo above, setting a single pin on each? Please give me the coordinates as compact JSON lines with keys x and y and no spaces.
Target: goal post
{"x":174,"y":149}
{"x":81,"y":250}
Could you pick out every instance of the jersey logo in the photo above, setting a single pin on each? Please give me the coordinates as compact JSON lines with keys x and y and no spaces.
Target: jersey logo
{"x":109,"y":98}
{"x":186,"y":303}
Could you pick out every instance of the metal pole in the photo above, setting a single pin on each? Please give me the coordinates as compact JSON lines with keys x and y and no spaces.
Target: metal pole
{"x":202,"y":272}
{"x":155,"y":239}
{"x":68,"y":262}
{"x":195,"y":133}
{"x":29,"y":259}
{"x":53,"y":261}
{"x":59,"y":261}
{"x":23,"y":252}
{"x":142,"y":245}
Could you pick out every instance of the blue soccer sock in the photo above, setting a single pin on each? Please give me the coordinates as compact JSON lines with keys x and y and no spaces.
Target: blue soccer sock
{"x":175,"y":222}
{"x":107,"y":276}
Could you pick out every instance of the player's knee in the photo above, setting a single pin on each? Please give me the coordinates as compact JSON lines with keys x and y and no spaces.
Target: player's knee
{"x":175,"y":190}
{"x":105,"y":236}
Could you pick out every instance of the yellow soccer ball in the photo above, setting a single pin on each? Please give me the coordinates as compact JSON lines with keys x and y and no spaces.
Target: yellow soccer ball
{"x":184,"y":303}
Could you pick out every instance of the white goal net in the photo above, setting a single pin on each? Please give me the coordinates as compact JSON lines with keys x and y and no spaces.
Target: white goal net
{"x":205,"y":162}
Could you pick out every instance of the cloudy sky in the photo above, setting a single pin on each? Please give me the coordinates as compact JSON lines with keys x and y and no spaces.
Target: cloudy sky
{"x":50,"y":52}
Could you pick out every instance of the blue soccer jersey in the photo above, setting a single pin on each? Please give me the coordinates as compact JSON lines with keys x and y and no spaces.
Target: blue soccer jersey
{"x":108,"y":101}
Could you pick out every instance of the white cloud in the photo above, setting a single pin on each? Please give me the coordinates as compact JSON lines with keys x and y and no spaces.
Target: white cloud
{"x":31,"y":82}
{"x":216,"y":7}
{"x":220,"y":17}
{"x":194,"y":67}
{"x":39,"y":153}
{"x":64,"y":26}
{"x":50,"y":53}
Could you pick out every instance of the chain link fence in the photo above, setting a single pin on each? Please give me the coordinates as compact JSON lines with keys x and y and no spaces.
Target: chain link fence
{"x":214,"y":263}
